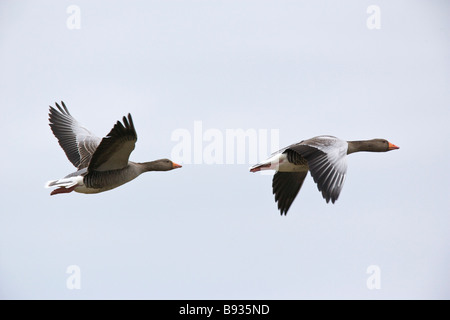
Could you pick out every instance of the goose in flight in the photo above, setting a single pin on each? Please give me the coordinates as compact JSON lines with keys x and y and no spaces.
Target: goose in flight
{"x":324,"y":156}
{"x":102,"y":164}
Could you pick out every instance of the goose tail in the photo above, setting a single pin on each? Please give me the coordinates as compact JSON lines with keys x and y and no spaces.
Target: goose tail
{"x":65,"y":185}
{"x":65,"y":182}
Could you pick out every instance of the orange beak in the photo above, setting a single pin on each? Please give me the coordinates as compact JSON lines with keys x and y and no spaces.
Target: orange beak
{"x":176,"y":165}
{"x":393,"y":146}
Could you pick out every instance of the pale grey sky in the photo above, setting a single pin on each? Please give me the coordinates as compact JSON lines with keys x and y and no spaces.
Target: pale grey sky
{"x":303,"y":68}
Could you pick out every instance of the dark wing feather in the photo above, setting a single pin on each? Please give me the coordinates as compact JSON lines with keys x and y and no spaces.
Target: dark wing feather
{"x":286,"y":186}
{"x":115,"y":149}
{"x":77,"y":142}
{"x":328,"y":167}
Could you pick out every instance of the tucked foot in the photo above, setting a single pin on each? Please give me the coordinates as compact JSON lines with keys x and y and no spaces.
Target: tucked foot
{"x":259,"y":167}
{"x":62,"y":190}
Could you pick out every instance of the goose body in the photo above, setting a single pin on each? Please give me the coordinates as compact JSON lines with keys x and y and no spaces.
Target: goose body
{"x":325,"y":157}
{"x":102,"y":163}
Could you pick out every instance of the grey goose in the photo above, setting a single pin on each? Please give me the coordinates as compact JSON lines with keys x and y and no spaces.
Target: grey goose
{"x":325,"y":157}
{"x":102,"y":164}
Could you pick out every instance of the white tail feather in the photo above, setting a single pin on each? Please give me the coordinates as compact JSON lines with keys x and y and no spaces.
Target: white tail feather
{"x":65,"y":182}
